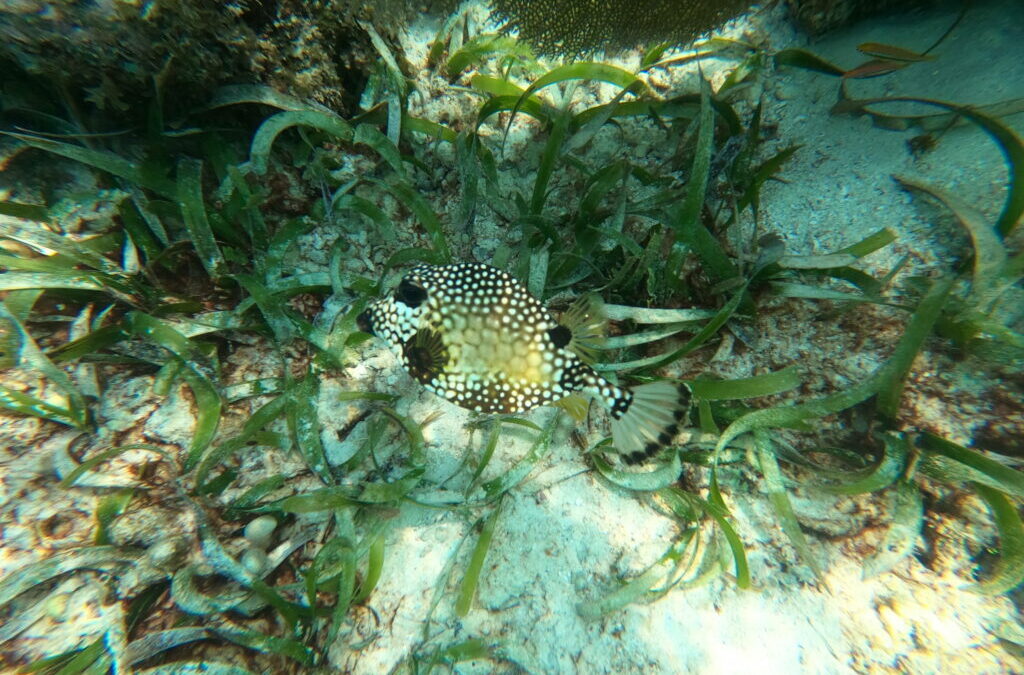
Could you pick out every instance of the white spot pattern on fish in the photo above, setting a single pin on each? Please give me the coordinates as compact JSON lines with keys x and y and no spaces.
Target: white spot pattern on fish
{"x":474,"y":335}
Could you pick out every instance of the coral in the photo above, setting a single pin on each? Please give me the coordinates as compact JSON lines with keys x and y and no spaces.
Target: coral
{"x":573,"y":27}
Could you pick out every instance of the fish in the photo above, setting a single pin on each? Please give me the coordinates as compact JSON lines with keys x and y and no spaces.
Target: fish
{"x":475,"y":336}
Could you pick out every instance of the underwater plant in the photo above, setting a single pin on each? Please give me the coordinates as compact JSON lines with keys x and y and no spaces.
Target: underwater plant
{"x":283,"y":538}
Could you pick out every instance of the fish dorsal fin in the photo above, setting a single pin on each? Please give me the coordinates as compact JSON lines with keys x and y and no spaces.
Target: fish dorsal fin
{"x":425,"y":355}
{"x":588,"y":325}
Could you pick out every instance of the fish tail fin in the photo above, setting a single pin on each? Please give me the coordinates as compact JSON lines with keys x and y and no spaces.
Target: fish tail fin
{"x":646,"y":418}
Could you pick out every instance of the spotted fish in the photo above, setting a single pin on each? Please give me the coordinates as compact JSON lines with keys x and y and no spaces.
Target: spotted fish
{"x":474,"y":335}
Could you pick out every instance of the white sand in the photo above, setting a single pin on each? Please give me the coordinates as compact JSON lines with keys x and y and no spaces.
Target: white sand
{"x":563,"y":535}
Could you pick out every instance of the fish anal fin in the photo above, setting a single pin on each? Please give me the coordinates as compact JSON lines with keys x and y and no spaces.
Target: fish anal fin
{"x":574,"y":404}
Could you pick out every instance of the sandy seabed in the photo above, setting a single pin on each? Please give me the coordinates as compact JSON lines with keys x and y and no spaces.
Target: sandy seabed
{"x":564,"y":536}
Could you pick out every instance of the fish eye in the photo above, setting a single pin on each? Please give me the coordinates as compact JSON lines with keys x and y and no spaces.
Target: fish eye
{"x":410,"y":294}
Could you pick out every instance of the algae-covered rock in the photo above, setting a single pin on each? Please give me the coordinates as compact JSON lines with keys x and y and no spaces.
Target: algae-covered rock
{"x":820,"y":16}
{"x":115,"y":53}
{"x":111,"y":52}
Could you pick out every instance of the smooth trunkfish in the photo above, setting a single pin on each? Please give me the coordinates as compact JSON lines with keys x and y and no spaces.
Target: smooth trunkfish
{"x":474,"y":335}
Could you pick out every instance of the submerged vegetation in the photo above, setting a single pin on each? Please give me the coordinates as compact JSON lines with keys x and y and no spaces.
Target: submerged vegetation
{"x":193,"y":267}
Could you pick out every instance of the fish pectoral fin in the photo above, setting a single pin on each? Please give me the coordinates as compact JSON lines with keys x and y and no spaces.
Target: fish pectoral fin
{"x":575,"y":405}
{"x":587,"y":324}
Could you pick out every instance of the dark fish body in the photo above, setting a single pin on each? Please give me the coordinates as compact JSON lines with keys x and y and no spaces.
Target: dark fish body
{"x":474,"y":335}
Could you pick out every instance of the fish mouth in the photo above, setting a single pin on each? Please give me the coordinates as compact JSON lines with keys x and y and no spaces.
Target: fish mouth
{"x":364,"y":322}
